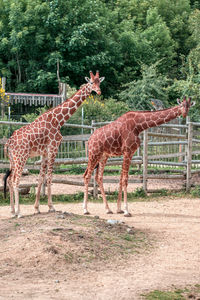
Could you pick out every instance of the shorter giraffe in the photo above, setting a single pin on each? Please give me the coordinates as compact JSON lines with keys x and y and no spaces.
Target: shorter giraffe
{"x":42,"y":138}
{"x":121,"y":137}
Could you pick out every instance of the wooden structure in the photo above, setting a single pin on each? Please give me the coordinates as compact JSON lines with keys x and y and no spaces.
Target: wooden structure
{"x":34,"y":98}
{"x":160,"y":148}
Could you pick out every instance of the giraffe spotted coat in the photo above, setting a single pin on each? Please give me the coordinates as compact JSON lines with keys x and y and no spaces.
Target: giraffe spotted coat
{"x":42,"y":138}
{"x":121,"y":137}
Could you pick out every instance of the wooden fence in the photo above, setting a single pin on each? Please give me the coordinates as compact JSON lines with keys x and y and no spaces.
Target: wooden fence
{"x":172,"y":146}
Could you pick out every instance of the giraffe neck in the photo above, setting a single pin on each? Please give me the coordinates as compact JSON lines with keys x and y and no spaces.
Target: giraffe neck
{"x":150,"y":119}
{"x":69,"y":107}
{"x":63,"y":112}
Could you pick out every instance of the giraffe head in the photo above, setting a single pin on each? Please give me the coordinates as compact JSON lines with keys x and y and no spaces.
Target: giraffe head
{"x":185,"y":105}
{"x":95,"y":81}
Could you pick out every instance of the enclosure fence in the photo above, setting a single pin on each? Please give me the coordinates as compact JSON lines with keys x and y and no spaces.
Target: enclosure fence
{"x":170,"y":151}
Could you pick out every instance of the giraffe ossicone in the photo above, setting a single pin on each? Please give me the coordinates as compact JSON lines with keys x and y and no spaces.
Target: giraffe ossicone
{"x":121,"y":137}
{"x":42,"y":138}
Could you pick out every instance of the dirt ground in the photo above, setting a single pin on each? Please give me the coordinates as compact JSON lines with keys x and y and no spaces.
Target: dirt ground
{"x":31,"y":252}
{"x":71,"y":189}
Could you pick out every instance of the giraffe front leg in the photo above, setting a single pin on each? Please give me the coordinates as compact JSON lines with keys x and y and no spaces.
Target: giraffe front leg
{"x":125,"y":170}
{"x":126,"y":212}
{"x":119,"y":200}
{"x":40,"y":182}
{"x":85,"y":210}
{"x":51,"y":160}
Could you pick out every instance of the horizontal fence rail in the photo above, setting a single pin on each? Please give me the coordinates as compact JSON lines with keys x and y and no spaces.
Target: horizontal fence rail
{"x":169,"y":145}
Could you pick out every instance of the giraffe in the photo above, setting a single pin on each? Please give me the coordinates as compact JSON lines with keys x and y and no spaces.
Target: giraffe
{"x":121,"y":137}
{"x":42,"y":137}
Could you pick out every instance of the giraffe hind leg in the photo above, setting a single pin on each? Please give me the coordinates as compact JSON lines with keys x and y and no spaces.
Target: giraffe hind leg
{"x":9,"y":180}
{"x":92,"y":163}
{"x":123,"y":185}
{"x":40,"y":182}
{"x":119,"y":200}
{"x":99,"y":180}
{"x":15,"y":186}
{"x":51,"y":159}
{"x":17,"y":167}
{"x":11,"y":192}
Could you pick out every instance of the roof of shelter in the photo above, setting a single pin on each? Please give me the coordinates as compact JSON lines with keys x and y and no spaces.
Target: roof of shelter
{"x":35,"y":99}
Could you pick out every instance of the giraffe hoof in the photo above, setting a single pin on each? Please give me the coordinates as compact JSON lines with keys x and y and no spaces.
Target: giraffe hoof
{"x":37,"y":211}
{"x":19,"y":216}
{"x":86,"y":213}
{"x":109,"y":212}
{"x":120,"y":212}
{"x":127,"y":215}
{"x":52,"y":209}
{"x":13,"y":215}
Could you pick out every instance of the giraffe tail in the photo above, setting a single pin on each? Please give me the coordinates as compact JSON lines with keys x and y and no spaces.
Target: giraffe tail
{"x":5,"y":182}
{"x":86,"y":171}
{"x":97,"y":166}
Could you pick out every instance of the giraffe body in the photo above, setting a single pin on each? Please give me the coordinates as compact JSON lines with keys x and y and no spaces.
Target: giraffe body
{"x":121,"y":137}
{"x":42,"y":138}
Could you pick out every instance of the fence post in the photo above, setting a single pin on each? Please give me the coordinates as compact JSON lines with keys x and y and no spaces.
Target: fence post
{"x":189,"y":156}
{"x":95,"y":187}
{"x":145,"y":159}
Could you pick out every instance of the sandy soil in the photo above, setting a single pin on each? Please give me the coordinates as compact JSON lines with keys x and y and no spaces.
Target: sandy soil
{"x":174,"y":260}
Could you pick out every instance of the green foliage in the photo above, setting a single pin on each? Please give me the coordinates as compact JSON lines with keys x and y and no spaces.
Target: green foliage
{"x":32,"y":116}
{"x":139,"y":92}
{"x":5,"y":130}
{"x":189,"y":86}
{"x":116,"y":37}
{"x":140,"y":193}
{"x":95,"y":108}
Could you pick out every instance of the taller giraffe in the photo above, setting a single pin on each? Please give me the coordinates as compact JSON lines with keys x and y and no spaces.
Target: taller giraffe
{"x":42,"y":137}
{"x":121,"y":137}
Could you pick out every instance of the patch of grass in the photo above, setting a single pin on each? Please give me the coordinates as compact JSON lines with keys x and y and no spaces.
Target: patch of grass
{"x":195,"y":192}
{"x":160,"y":295}
{"x":68,"y":257}
{"x":191,"y":292}
{"x":128,"y":237}
{"x":30,"y":198}
{"x":139,"y":193}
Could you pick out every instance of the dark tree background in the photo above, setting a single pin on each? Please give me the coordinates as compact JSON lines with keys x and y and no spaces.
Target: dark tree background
{"x":145,"y":49}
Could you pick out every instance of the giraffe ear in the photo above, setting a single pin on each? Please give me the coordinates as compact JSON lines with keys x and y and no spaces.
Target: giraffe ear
{"x":192,"y":103}
{"x":101,"y":79}
{"x":87,"y":79}
{"x":178,"y":101}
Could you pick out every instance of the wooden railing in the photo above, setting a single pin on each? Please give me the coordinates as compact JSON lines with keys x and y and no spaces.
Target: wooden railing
{"x":178,"y":150}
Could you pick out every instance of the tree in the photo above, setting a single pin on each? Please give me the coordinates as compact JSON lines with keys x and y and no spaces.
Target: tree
{"x":189,"y":81}
{"x":138,"y":93}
